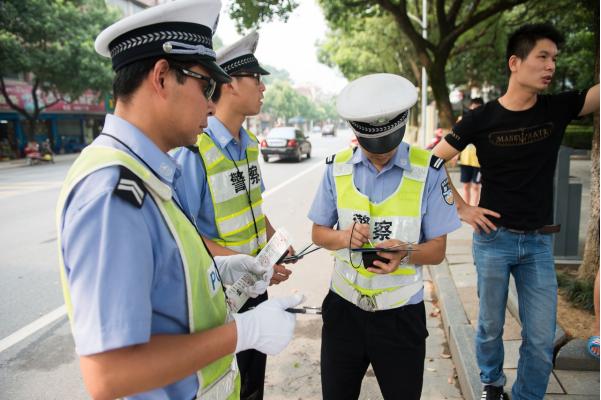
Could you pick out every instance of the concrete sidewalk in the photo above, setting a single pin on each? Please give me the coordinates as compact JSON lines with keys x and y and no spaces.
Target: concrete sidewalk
{"x":294,"y":374}
{"x":455,"y":282}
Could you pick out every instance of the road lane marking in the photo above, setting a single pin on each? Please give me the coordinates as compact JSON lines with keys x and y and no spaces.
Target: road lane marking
{"x":269,"y":192}
{"x":60,"y":312}
{"x":20,"y":188}
{"x":32,"y":328}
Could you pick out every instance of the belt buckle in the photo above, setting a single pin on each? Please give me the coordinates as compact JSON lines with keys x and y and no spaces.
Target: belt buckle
{"x":367,"y":303}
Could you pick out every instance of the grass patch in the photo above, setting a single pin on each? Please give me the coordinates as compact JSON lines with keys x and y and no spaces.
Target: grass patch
{"x":579,"y":293}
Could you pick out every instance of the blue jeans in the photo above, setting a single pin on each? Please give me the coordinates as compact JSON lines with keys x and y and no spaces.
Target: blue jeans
{"x":529,"y":258}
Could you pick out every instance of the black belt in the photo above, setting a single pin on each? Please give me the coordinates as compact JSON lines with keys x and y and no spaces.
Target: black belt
{"x":545,"y":229}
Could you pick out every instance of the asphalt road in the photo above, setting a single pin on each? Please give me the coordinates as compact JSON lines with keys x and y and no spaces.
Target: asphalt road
{"x":41,"y":364}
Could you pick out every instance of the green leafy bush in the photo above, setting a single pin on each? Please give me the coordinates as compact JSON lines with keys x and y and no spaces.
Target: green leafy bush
{"x":578,"y":136}
{"x":579,"y":293}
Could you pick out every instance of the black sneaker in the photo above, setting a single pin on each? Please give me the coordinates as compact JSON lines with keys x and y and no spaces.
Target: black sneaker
{"x":491,"y":392}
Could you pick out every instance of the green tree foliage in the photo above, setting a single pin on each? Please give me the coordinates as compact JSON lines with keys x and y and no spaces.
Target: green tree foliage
{"x":351,"y":48}
{"x":283,"y":102}
{"x":276,"y":74}
{"x":251,"y":13}
{"x":52,"y":43}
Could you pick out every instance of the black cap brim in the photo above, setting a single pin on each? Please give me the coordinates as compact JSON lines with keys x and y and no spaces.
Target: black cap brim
{"x":382,"y":144}
{"x":255,"y":69}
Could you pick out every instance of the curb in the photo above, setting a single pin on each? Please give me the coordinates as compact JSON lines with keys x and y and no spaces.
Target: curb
{"x":22,"y":162}
{"x":459,"y":332}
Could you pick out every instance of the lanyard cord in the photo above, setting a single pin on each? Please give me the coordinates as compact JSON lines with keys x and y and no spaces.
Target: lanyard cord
{"x":350,"y":253}
{"x":247,"y":191}
{"x":177,"y":205}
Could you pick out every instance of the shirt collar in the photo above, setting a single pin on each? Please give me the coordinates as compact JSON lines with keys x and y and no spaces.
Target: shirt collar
{"x":400,"y":158}
{"x":222,"y":135}
{"x":161,"y":163}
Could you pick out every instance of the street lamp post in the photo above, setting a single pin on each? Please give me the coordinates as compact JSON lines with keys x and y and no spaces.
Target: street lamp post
{"x":424,"y":25}
{"x":424,"y":75}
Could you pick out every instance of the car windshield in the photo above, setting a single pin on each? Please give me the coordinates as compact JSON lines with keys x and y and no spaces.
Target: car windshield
{"x":281,"y":133}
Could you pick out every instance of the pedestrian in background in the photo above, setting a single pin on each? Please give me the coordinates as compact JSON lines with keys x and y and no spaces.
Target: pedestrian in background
{"x":518,"y":138}
{"x":224,"y":183}
{"x":388,"y":193}
{"x":144,"y":297}
{"x":469,"y":167}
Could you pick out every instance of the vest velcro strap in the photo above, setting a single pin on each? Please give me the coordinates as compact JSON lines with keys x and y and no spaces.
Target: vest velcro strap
{"x":377,"y":281}
{"x":222,"y":387}
{"x":416,"y":173}
{"x":385,"y":300}
{"x":342,"y":169}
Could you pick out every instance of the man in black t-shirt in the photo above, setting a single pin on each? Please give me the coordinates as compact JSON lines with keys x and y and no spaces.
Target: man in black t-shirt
{"x":517,"y":138}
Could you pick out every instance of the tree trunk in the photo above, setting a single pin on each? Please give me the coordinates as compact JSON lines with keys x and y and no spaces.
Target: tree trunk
{"x":438,"y":83}
{"x":31,"y":128}
{"x":590,"y":262}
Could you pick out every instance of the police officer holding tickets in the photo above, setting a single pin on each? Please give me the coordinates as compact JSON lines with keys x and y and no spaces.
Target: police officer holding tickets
{"x":143,"y":294}
{"x":224,"y":184}
{"x":389,"y":196}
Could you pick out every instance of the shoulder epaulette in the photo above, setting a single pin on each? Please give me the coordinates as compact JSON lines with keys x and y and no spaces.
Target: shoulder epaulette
{"x":193,"y":148}
{"x":436,"y":162}
{"x":330,"y":159}
{"x":130,"y":188}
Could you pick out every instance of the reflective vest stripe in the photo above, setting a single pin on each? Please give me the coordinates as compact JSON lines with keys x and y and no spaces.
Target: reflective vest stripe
{"x":247,"y":247}
{"x":220,"y":379}
{"x":381,"y":300}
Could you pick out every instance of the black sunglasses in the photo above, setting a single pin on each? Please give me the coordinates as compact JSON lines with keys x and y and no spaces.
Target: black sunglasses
{"x":211,"y":83}
{"x":255,"y":75}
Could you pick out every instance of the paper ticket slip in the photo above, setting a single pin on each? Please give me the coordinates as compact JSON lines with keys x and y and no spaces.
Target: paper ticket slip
{"x":236,"y":295}
{"x":274,"y":249}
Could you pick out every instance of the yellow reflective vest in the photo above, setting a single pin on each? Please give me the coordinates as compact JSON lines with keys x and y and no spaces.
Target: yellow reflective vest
{"x":396,"y":217}
{"x":219,"y":380}
{"x":235,"y":189}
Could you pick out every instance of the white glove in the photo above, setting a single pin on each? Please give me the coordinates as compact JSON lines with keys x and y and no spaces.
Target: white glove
{"x":231,"y":268}
{"x":267,"y":328}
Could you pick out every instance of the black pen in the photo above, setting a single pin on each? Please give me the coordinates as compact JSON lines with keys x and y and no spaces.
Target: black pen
{"x":305,"y":310}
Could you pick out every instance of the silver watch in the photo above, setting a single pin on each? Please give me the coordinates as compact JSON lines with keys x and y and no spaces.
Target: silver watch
{"x":405,"y":260}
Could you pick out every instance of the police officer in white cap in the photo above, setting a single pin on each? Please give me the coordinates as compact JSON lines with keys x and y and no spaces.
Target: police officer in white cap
{"x":144,"y":297}
{"x":225,"y":148}
{"x":384,"y":195}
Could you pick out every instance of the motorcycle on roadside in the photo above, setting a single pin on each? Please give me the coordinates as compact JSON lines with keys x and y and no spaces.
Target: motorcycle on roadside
{"x":37,"y":155}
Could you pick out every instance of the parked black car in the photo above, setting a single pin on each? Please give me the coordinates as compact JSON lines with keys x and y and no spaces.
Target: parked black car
{"x":286,"y":142}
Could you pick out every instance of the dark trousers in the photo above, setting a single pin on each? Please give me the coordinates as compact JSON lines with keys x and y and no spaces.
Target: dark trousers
{"x":392,"y":341}
{"x":251,"y":363}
